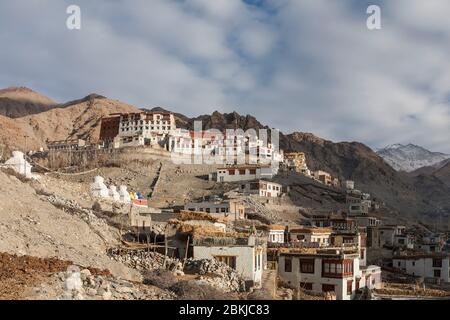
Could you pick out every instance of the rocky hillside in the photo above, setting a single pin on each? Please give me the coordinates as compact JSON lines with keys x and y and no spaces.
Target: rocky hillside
{"x":80,"y":118}
{"x":18,"y":102}
{"x":355,"y":161}
{"x":43,"y":228}
{"x":347,"y":160}
{"x":440,"y":171}
{"x":410,"y":157}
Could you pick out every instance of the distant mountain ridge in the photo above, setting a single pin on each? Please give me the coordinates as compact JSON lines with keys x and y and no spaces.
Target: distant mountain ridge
{"x":16,"y":102}
{"x":410,"y":157}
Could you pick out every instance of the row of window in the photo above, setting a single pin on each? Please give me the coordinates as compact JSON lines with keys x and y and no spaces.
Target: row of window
{"x":239,"y":172}
{"x":128,"y":123}
{"x":146,"y":128}
{"x":330,"y":268}
{"x":228,"y":260}
{"x":208,"y":210}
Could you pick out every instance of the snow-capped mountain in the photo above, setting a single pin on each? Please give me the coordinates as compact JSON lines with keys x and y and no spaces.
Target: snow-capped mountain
{"x":410,"y":157}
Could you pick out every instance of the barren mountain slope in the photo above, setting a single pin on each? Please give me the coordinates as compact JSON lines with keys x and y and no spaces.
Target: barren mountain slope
{"x":30,"y":225}
{"x":80,"y":119}
{"x":440,"y":170}
{"x":18,"y":102}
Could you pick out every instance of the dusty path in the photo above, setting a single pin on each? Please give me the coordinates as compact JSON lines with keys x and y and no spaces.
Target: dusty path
{"x":267,"y":291}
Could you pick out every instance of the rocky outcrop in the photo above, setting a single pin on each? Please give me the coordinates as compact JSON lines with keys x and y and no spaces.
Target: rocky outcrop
{"x":142,"y":260}
{"x":217,"y":274}
{"x":83,"y":285}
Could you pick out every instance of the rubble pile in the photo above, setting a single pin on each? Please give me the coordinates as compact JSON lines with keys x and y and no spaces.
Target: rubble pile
{"x":142,"y":260}
{"x":217,"y":274}
{"x":82,"y":285}
{"x":74,"y":208}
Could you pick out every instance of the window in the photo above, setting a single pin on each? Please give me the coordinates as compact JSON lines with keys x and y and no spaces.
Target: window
{"x":349,"y":287}
{"x":337,"y":269}
{"x":307,"y":265}
{"x":437,"y":263}
{"x":242,"y":172}
{"x":228,"y":260}
{"x":437,"y":273}
{"x":252,"y":171}
{"x":288,"y":265}
{"x":306,"y":286}
{"x":328,"y":288}
{"x":231,"y":172}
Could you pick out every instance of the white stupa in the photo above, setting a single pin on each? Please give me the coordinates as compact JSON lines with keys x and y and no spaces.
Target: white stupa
{"x":113,"y":193}
{"x":99,"y":188}
{"x":124,"y":195}
{"x":19,"y":164}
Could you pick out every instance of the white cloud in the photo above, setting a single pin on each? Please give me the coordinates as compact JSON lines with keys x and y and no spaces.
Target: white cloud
{"x":302,"y":65}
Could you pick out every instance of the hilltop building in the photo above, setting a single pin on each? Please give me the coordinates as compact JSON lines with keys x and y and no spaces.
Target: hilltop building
{"x":310,"y":236}
{"x":136,"y":129}
{"x":432,"y":266}
{"x":243,"y":173}
{"x":262,"y":188}
{"x":232,"y":209}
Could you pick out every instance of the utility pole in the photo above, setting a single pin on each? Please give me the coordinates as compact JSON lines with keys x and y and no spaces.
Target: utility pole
{"x":25,"y":157}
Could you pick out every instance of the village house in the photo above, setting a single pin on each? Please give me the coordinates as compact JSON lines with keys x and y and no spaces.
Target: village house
{"x":367,"y":221}
{"x":310,"y":236}
{"x":327,"y":270}
{"x":354,"y":239}
{"x":323,"y":177}
{"x":342,"y":224}
{"x":432,"y":266}
{"x":359,"y":209}
{"x":431,"y":243}
{"x":276,"y":234}
{"x":246,"y":255}
{"x":232,"y":209}
{"x":296,"y":161}
{"x":349,"y":184}
{"x":243,"y":173}
{"x":352,"y":196}
{"x":262,"y":188}
{"x":387,"y":234}
{"x":404,"y":240}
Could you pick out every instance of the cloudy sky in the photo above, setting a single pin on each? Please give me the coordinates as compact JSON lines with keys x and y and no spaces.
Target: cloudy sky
{"x":297,"y":65}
